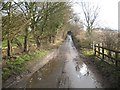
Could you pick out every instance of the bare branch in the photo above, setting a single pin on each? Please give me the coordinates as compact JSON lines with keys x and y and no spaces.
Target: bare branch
{"x":91,"y":13}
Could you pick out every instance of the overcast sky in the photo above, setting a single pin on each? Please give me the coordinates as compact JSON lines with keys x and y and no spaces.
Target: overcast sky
{"x":108,"y":16}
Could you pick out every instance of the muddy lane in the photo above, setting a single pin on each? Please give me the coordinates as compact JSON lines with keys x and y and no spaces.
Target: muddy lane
{"x":65,"y":71}
{"x":49,"y":76}
{"x":77,"y":72}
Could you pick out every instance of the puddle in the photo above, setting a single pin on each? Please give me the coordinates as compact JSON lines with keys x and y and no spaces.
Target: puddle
{"x":80,"y":76}
{"x":84,"y":70}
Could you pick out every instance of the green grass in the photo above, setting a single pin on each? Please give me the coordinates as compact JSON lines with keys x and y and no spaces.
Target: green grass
{"x":17,"y":66}
{"x":4,"y":43}
{"x":87,"y":52}
{"x":20,"y":38}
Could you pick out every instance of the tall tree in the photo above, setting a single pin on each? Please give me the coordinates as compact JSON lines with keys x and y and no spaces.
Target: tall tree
{"x":90,"y":13}
{"x":8,"y":9}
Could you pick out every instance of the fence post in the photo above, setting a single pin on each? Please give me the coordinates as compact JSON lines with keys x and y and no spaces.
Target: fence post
{"x":98,"y":49}
{"x":109,"y":55}
{"x":95,"y":50}
{"x":103,"y":54}
{"x":116,"y":59}
{"x":93,"y":46}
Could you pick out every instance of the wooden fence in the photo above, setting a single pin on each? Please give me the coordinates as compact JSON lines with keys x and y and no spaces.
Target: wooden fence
{"x":102,"y":52}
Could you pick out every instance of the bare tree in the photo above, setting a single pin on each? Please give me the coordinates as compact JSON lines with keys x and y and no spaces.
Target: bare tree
{"x":90,"y":13}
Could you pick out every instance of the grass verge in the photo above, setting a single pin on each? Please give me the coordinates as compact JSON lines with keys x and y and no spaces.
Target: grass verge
{"x":16,"y":66}
{"x":87,"y":52}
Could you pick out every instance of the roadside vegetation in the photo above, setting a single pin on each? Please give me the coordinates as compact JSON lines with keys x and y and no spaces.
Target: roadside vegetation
{"x":29,"y":31}
{"x":16,"y":66}
{"x":107,"y":69}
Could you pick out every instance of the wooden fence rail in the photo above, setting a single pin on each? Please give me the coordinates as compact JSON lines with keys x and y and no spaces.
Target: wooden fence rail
{"x":112,"y":55}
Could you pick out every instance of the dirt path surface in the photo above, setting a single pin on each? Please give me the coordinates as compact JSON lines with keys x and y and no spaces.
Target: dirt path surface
{"x":67,"y":70}
{"x":62,"y":68}
{"x":32,"y":66}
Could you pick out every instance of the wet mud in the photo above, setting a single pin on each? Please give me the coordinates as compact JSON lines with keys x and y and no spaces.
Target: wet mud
{"x":66,"y":71}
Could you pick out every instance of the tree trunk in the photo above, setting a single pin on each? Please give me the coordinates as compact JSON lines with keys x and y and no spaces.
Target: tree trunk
{"x":37,"y":41}
{"x":50,"y":39}
{"x":53,"y":39}
{"x":89,"y":30}
{"x":8,"y":37}
{"x":9,"y":47}
{"x":26,"y":40}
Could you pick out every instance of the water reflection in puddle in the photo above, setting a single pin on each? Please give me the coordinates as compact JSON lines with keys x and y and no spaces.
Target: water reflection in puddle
{"x":79,"y":74}
{"x":84,"y":70}
{"x":80,"y":66}
{"x":81,"y":70}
